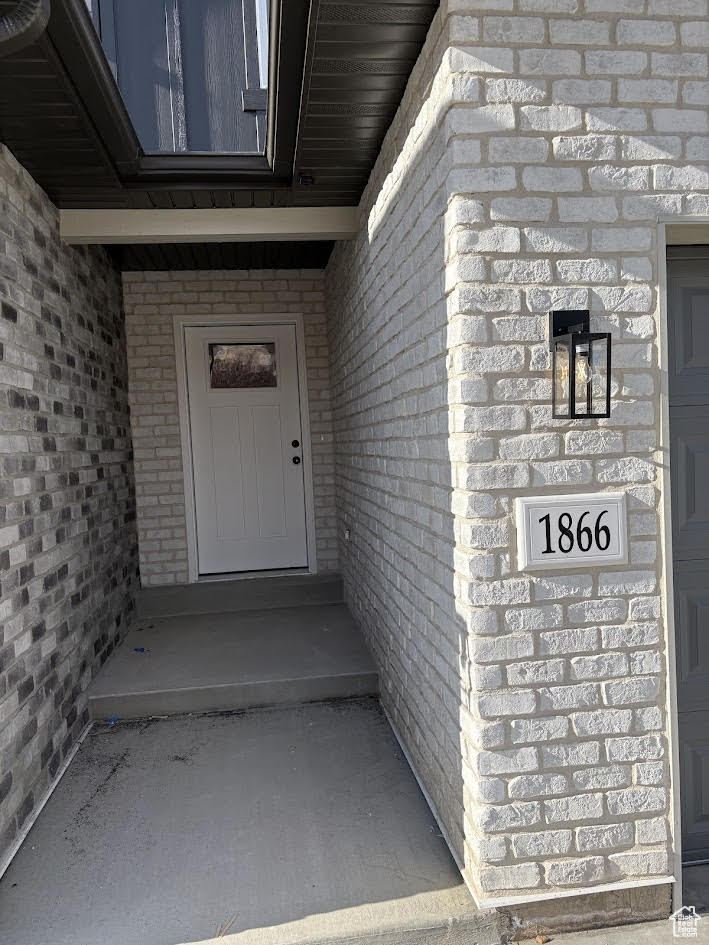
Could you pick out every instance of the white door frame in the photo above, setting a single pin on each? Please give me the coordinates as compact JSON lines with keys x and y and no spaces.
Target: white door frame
{"x":182,"y":322}
{"x":677,"y":223}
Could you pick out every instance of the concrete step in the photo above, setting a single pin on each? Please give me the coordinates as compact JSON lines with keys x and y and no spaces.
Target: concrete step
{"x":224,"y":661}
{"x":438,"y":918}
{"x":235,"y":596}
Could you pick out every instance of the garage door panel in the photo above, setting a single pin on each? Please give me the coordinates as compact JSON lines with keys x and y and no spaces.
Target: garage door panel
{"x":688,"y":376}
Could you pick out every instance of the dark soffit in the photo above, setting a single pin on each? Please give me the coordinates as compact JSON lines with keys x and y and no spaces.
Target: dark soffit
{"x":358,"y":61}
{"x":312,"y":254}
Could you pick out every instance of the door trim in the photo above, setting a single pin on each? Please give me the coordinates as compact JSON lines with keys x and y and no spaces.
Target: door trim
{"x":670,"y":231}
{"x":182,"y":322}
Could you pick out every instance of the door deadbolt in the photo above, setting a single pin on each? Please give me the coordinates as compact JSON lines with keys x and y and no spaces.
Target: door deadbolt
{"x":296,"y":460}
{"x":295,"y":444}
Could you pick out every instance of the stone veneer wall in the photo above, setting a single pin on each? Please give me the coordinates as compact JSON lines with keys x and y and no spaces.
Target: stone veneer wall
{"x":536,"y":144}
{"x":151,"y":301}
{"x":68,"y":550}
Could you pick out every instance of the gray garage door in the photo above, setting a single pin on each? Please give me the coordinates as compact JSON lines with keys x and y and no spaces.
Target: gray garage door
{"x":688,"y":321}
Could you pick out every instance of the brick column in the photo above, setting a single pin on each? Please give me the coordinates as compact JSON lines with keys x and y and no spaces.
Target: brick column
{"x":575,"y":133}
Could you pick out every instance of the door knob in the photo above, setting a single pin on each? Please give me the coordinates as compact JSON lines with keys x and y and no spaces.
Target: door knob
{"x":296,"y":460}
{"x":295,"y":444}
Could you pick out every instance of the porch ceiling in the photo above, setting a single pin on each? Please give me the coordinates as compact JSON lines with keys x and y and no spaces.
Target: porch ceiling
{"x":311,"y":254}
{"x":339,"y":71}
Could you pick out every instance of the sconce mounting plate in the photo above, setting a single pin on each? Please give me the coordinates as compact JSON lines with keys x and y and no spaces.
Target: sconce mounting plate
{"x":566,"y":321}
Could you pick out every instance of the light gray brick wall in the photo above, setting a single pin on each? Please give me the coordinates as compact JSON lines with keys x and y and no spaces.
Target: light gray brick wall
{"x":536,"y":145}
{"x":68,"y":548}
{"x":388,"y":328}
{"x":152,"y":300}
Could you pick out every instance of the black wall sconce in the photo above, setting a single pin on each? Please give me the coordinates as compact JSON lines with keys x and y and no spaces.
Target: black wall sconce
{"x":581,"y":367}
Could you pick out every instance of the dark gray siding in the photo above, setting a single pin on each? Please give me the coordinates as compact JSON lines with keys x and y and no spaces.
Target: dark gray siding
{"x":183,"y":67}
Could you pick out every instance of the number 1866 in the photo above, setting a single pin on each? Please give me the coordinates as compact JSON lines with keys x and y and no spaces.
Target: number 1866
{"x":584,"y":536}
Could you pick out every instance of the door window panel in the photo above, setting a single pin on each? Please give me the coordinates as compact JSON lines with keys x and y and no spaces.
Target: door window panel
{"x":239,"y":366}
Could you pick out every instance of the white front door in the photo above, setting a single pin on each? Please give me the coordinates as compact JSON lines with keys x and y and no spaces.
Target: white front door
{"x":246,"y":448}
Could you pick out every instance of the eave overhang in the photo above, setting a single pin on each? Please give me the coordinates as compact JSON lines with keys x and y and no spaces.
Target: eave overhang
{"x":77,"y":45}
{"x":337,"y":71}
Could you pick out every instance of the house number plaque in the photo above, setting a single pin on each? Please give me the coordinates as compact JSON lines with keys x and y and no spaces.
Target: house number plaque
{"x":571,"y":531}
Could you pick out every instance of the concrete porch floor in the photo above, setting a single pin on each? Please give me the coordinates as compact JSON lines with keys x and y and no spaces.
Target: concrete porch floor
{"x":284,"y":825}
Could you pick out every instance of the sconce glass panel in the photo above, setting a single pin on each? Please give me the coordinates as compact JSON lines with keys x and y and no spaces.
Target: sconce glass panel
{"x":561,"y":375}
{"x":600,"y":394}
{"x":581,"y":367}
